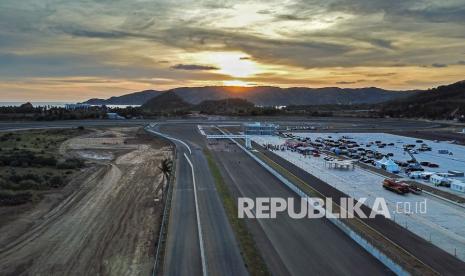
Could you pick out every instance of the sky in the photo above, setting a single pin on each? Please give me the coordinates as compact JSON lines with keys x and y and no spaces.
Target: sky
{"x":72,"y":50}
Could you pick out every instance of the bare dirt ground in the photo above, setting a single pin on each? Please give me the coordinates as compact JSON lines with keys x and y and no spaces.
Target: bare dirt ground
{"x":104,"y":222}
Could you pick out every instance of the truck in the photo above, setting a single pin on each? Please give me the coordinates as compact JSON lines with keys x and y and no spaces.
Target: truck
{"x":396,"y":186}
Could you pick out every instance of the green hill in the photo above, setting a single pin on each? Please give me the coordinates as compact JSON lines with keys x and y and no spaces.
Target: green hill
{"x":443,"y":102}
{"x":225,"y":106}
{"x":167,"y":102}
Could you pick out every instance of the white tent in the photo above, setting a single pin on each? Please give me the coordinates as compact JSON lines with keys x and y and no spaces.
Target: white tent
{"x":391,"y":166}
{"x":380,"y":163}
{"x":388,"y":165}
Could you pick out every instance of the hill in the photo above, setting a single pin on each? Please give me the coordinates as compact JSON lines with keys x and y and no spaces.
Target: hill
{"x":443,"y":102}
{"x":225,"y":106}
{"x":268,"y":95}
{"x":276,"y":96}
{"x":166,"y":102}
{"x":137,"y":98}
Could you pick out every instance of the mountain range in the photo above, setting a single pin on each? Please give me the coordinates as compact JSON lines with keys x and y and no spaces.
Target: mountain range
{"x":265,"y":95}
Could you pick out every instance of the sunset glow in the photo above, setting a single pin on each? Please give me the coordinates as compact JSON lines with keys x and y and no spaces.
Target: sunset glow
{"x":70,"y":50}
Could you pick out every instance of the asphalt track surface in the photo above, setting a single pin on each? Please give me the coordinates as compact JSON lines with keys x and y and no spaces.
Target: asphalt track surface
{"x":182,"y":252}
{"x":332,"y":123}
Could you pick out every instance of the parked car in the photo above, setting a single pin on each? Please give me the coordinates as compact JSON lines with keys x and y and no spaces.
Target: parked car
{"x":433,"y":165}
{"x":414,"y":167}
{"x":424,"y":163}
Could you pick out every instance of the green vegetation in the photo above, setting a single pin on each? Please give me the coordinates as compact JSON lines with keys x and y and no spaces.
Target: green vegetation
{"x":166,"y":104}
{"x":30,"y":163}
{"x":48,"y":113}
{"x":443,"y":102}
{"x":235,"y":106}
{"x":249,"y":251}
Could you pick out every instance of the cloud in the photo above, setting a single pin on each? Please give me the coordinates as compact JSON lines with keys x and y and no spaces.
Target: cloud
{"x":293,"y":42}
{"x":193,"y":67}
{"x":439,"y":65}
{"x":347,"y":82}
{"x":291,"y":17}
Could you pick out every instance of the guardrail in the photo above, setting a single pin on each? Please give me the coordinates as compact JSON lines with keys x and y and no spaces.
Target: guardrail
{"x":165,"y":217}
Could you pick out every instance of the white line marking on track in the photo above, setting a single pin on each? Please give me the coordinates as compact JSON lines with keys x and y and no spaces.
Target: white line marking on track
{"x":199,"y":226}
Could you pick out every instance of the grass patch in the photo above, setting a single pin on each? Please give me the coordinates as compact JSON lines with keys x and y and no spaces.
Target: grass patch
{"x":30,"y":162}
{"x":249,"y":251}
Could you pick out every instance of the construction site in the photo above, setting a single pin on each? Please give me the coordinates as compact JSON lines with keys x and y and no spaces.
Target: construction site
{"x":104,"y":222}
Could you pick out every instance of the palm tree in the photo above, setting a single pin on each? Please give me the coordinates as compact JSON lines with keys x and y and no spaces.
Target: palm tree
{"x":166,"y":167}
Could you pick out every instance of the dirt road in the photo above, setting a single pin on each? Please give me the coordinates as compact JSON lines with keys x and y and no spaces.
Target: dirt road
{"x":108,"y":223}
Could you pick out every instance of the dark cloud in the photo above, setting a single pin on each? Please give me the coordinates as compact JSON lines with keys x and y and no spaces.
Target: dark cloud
{"x":381,"y":43}
{"x":438,"y":65}
{"x":193,"y":67}
{"x":346,"y":82}
{"x":302,"y":53}
{"x":102,"y":34}
{"x":403,"y":10}
{"x":290,"y":17}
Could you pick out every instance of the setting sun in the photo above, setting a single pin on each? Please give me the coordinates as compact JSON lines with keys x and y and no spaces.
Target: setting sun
{"x":235,"y":83}
{"x":234,"y":64}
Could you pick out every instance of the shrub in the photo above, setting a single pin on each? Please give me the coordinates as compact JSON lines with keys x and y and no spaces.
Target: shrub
{"x":9,"y":198}
{"x":15,"y":163}
{"x":69,"y":164}
{"x":56,"y":182}
{"x":29,"y":184}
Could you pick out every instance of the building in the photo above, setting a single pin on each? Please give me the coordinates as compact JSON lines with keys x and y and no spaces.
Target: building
{"x":457,"y":185}
{"x":439,"y":180}
{"x":114,"y":116}
{"x":258,"y":128}
{"x":77,"y":106}
{"x":454,"y":173}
